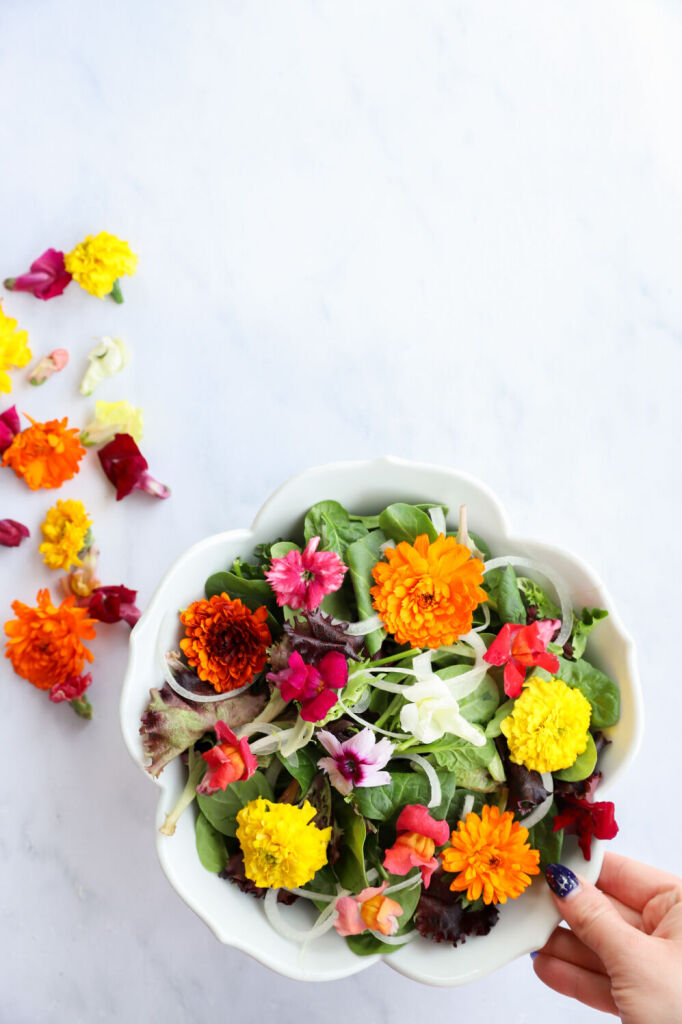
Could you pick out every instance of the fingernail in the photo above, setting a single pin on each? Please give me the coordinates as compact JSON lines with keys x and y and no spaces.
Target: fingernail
{"x":533,"y":955}
{"x":560,"y":879}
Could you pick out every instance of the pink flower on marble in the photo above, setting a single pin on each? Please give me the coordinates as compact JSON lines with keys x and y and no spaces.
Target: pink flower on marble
{"x":47,"y":277}
{"x":9,"y":427}
{"x":302,"y":578}
{"x":314,"y":686}
{"x":47,"y":366}
{"x":521,"y":647}
{"x":114,"y":604}
{"x":12,"y":533}
{"x":72,"y":689}
{"x":229,"y":761}
{"x":355,"y":762}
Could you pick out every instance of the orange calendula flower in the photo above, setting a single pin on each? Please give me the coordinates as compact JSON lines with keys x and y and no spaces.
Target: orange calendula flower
{"x":45,"y":454}
{"x":45,"y":644}
{"x":225,"y":641}
{"x":426,"y":593}
{"x":492,"y":856}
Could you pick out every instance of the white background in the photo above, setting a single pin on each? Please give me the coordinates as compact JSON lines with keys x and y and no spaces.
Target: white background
{"x":447,"y":231}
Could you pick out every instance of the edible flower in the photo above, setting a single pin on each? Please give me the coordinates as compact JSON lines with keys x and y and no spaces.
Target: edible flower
{"x":314,"y":686}
{"x":82,"y":580}
{"x":127,"y":469}
{"x":418,"y":836}
{"x":12,"y":533}
{"x":369,"y":909}
{"x":280,"y":843}
{"x":65,"y":530}
{"x":14,"y":350}
{"x":113,"y":604}
{"x":47,"y":366}
{"x":73,"y":691}
{"x":521,"y":647}
{"x":9,"y":427}
{"x":106,"y":359}
{"x":45,"y":454}
{"x":585,"y":819}
{"x":228,"y":761}
{"x":426,"y":593}
{"x":46,"y":279}
{"x":301,"y":579}
{"x":112,"y":418}
{"x":355,"y":762}
{"x":548,"y":727}
{"x":225,"y":641}
{"x":45,"y":644}
{"x":432,"y":711}
{"x":98,"y":261}
{"x":491,"y":854}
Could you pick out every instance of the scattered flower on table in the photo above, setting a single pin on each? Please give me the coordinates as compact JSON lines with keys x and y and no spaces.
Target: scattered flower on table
{"x":12,"y":533}
{"x":73,"y":691}
{"x":418,"y":835}
{"x":14,"y":350}
{"x":301,"y":579}
{"x":355,"y":762}
{"x":280,"y":843}
{"x":519,"y":648}
{"x":65,"y":532}
{"x":106,"y":359}
{"x":426,"y":593}
{"x":548,"y":727}
{"x":370,"y":909}
{"x":46,"y":279}
{"x":113,"y":604}
{"x":127,"y":469}
{"x":45,"y":454}
{"x":230,"y":760}
{"x":315,"y":686}
{"x":9,"y":427}
{"x":98,"y":261}
{"x":491,"y":856}
{"x":112,"y":418}
{"x":83,"y":579}
{"x":47,"y":366}
{"x":584,"y":819}
{"x":225,"y":641}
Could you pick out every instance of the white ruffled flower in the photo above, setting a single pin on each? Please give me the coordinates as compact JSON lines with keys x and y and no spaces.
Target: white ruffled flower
{"x":106,"y":359}
{"x":433,"y":711}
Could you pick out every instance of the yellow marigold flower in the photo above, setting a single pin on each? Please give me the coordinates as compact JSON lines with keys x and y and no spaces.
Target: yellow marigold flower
{"x":65,"y":530}
{"x":548,"y":727}
{"x":98,"y":261}
{"x":14,"y":350}
{"x":426,"y":594}
{"x":280,"y":844}
{"x":492,"y":856}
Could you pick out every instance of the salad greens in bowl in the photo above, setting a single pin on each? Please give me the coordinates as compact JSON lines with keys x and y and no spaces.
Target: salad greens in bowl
{"x":374,"y":718}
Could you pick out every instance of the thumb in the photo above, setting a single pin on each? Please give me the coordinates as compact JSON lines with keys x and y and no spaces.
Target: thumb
{"x":590,"y":914}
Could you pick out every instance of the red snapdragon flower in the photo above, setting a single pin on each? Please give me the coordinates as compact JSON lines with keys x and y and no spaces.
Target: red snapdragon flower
{"x":229,"y":761}
{"x":47,"y":277}
{"x":586,"y":819}
{"x":9,"y":427}
{"x":127,"y":468}
{"x":314,"y":686}
{"x":12,"y":533}
{"x":521,"y":647}
{"x":418,"y":836}
{"x":114,"y":604}
{"x":71,"y":689}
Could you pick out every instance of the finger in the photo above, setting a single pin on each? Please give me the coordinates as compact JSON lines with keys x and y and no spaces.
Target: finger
{"x":662,"y":916}
{"x":631,"y":882}
{"x":590,"y":914}
{"x":632,"y":917}
{"x":576,"y":982}
{"x":564,"y":945}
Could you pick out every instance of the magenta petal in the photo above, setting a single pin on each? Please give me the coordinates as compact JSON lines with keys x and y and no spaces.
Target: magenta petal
{"x":12,"y":533}
{"x":9,"y":427}
{"x":47,"y":277}
{"x":334,"y":670}
{"x":316,"y":709}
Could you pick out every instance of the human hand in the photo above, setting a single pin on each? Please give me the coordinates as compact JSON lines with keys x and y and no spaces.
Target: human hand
{"x":623,"y":953}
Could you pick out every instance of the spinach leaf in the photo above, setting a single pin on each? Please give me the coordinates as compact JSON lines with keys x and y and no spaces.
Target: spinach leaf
{"x":210,"y":845}
{"x":401,"y":522}
{"x":381,"y":802}
{"x":282,"y":547}
{"x":330,"y":521}
{"x":455,"y":754}
{"x":493,"y":729}
{"x":602,"y":692}
{"x":253,"y":593}
{"x":583,"y":626}
{"x":480,"y":706}
{"x":480,"y":544}
{"x":350,"y":867}
{"x":510,"y":606}
{"x":478,"y":780}
{"x":583,"y":766}
{"x":361,"y":557}
{"x":301,"y":766}
{"x":542,"y":837}
{"x":222,"y":808}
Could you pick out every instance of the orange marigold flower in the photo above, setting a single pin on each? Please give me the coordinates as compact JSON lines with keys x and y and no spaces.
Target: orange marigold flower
{"x":45,"y":643}
{"x":225,"y":641}
{"x":492,"y":856}
{"x":426,"y":594}
{"x":45,"y":454}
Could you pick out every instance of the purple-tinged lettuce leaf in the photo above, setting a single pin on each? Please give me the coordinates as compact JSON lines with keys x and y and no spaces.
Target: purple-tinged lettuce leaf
{"x":315,"y":634}
{"x":525,"y":786}
{"x":441,"y":917}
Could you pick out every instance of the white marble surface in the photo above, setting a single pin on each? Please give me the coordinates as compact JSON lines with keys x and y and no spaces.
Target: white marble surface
{"x":448,"y":231}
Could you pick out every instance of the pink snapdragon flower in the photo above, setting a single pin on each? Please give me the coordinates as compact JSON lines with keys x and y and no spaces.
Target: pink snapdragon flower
{"x":47,"y":366}
{"x":521,"y":647}
{"x":302,"y":578}
{"x":314,"y":686}
{"x":369,"y":909}
{"x":355,"y":762}
{"x":114,"y":604}
{"x":72,"y":689}
{"x":9,"y":427}
{"x":47,"y":277}
{"x":418,"y":836}
{"x":12,"y":533}
{"x":127,"y":468}
{"x":229,"y":761}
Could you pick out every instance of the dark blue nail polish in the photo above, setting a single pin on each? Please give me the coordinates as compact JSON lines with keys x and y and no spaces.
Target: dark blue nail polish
{"x":560,"y":879}
{"x":533,"y":955}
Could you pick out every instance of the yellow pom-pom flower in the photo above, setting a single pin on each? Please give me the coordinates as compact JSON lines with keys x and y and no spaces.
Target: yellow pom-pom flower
{"x":65,"y":530}
{"x":14,"y":350}
{"x":98,"y":261}
{"x":548,"y":727}
{"x":280,"y":844}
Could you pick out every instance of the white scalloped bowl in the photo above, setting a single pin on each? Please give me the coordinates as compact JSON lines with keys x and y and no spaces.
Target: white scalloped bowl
{"x":239,"y":920}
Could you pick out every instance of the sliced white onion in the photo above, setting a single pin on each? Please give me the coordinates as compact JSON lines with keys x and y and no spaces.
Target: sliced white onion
{"x":320,"y":897}
{"x":430,"y":772}
{"x":361,"y":628}
{"x":300,"y":736}
{"x":461,"y":686}
{"x":467,"y":806}
{"x":386,"y":544}
{"x":437,"y":517}
{"x":395,"y":940}
{"x":253,"y":727}
{"x":370,"y":725}
{"x":562,"y":591}
{"x":486,"y":619}
{"x":323,"y":924}
{"x":421,"y":663}
{"x":198,"y":698}
{"x":362,"y":703}
{"x":539,"y":812}
{"x":383,"y":684}
{"x":409,"y":883}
